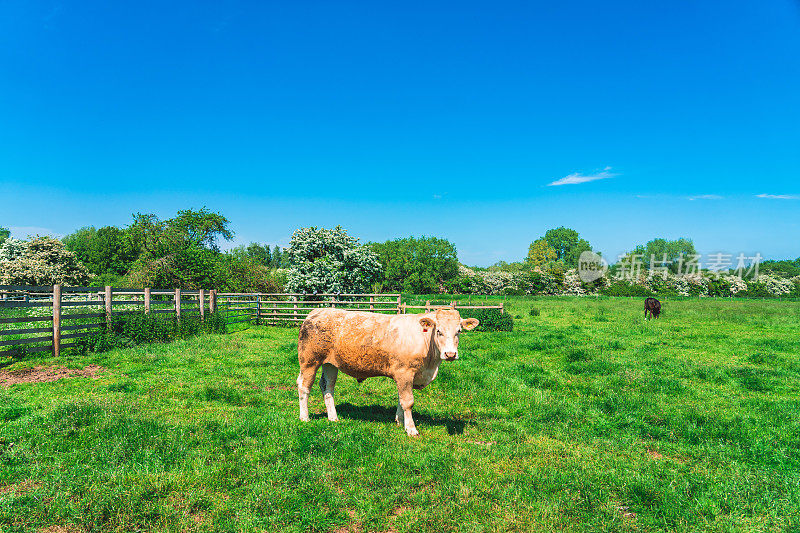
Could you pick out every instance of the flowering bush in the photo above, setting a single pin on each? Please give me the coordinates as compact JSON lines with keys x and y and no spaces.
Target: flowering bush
{"x":330,"y":261}
{"x":573,"y":284}
{"x":11,"y":249}
{"x":767,"y":285}
{"x":705,"y":284}
{"x":737,"y":284}
{"x":44,"y":261}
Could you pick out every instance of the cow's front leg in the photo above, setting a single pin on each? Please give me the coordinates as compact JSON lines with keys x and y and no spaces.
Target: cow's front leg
{"x":405,"y":393}
{"x":304,"y":381}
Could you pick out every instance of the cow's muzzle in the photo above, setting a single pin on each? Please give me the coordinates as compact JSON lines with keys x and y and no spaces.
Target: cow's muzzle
{"x":451,"y":356}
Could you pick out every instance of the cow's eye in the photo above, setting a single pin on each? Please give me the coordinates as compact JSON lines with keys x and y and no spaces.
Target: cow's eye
{"x":439,"y":332}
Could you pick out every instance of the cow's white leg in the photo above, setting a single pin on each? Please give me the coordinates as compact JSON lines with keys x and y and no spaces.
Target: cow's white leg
{"x":405,"y":392}
{"x":330,"y":372}
{"x":304,"y":381}
{"x":398,"y":415}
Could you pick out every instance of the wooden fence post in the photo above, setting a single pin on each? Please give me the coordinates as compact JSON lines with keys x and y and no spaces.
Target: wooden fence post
{"x":371,"y":303}
{"x":427,"y":306}
{"x":202,"y":304}
{"x":178,"y":304}
{"x":56,"y":320}
{"x":147,"y":300}
{"x":258,"y":307}
{"x":502,"y":307}
{"x":212,"y":301}
{"x":404,"y":309}
{"x":108,"y":297}
{"x":295,"y":307}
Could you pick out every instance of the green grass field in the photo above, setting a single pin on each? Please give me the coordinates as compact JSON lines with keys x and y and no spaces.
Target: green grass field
{"x":585,"y":418}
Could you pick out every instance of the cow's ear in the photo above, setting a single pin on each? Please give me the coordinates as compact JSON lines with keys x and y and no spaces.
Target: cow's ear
{"x":427,"y":322}
{"x":470,"y":323}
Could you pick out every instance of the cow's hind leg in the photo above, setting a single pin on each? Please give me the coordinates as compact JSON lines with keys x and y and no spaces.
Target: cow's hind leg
{"x":327,"y":383}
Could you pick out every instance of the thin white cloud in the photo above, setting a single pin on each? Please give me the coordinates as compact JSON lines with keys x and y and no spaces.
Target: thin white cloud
{"x":576,"y":177}
{"x":24,"y":232}
{"x":706,"y":197}
{"x":778,"y":196}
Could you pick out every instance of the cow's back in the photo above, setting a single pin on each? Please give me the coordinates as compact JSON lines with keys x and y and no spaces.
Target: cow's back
{"x":359,"y":343}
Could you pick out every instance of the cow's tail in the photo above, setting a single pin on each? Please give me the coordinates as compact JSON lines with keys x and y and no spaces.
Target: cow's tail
{"x":322,"y":381}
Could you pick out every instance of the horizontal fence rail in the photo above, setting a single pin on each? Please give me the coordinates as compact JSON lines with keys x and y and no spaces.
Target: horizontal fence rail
{"x":292,"y":308}
{"x":40,"y":318}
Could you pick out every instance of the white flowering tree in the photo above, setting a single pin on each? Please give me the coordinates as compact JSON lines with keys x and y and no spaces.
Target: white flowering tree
{"x":44,"y":261}
{"x":11,"y":249}
{"x":330,"y":261}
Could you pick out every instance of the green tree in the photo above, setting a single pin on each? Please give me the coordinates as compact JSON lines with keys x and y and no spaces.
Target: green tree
{"x":567,"y":244}
{"x":785,"y":268}
{"x":329,"y":261}
{"x":504,"y":266}
{"x":5,"y":233}
{"x":259,"y":253}
{"x":108,"y":251}
{"x":179,"y":252}
{"x":278,"y":259}
{"x":241,"y":273}
{"x":80,"y":243}
{"x":189,"y":229}
{"x":665,"y":252}
{"x":541,"y":253}
{"x":420,"y":266}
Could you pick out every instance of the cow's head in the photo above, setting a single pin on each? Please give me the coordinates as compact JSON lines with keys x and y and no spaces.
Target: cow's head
{"x":445,"y":327}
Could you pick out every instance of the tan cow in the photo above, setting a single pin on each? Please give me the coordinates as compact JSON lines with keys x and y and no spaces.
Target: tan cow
{"x":406,"y":348}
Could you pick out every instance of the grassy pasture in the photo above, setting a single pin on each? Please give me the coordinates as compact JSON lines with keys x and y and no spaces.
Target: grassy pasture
{"x":585,"y":418}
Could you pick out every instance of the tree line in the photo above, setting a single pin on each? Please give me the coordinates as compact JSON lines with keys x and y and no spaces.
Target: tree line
{"x":185,"y":251}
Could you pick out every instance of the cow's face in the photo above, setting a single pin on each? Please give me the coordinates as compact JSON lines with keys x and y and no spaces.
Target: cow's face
{"x":445,"y":328}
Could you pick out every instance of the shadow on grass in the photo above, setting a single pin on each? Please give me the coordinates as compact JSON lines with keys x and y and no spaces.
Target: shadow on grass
{"x":378,"y":413}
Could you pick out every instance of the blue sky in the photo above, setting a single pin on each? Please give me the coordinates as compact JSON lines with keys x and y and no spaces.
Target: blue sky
{"x":453,"y":119}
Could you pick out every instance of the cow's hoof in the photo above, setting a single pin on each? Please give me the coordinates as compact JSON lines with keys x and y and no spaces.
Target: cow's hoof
{"x":412,"y":432}
{"x":304,"y":419}
{"x":335,"y":419}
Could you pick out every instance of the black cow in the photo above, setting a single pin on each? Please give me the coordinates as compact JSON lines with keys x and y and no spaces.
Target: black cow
{"x":652,"y":305}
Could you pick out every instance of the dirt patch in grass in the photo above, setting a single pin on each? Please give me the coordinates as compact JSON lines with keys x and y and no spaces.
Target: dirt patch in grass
{"x":486,"y":443}
{"x":354,"y":527}
{"x":59,"y":529}
{"x":279,"y":387}
{"x":22,"y":487}
{"x":43,"y":374}
{"x":655,"y":455}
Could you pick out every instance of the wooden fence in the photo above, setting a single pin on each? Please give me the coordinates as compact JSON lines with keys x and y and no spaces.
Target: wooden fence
{"x":453,"y":305}
{"x":50,"y":318}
